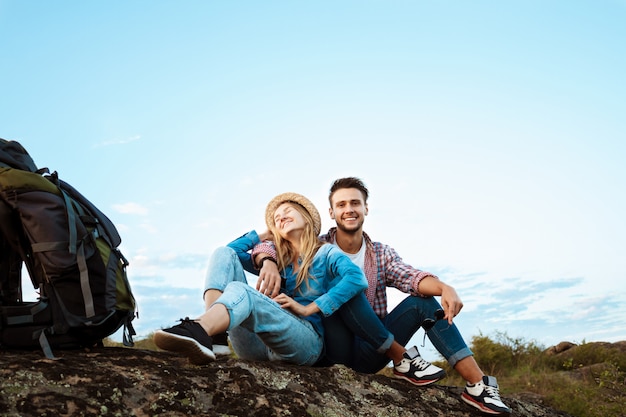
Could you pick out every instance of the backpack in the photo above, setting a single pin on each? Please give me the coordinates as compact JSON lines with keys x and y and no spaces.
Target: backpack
{"x":69,"y":249}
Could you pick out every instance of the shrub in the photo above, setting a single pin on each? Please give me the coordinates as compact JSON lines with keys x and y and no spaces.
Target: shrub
{"x":506,"y":355}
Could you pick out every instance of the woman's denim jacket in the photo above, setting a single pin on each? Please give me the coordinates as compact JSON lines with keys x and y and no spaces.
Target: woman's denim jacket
{"x":334,"y":278}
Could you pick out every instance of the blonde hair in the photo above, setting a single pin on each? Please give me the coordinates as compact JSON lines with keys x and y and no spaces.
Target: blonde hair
{"x":309,"y":245}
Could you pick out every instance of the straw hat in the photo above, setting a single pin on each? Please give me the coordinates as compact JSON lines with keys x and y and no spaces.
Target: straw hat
{"x":293,"y":198}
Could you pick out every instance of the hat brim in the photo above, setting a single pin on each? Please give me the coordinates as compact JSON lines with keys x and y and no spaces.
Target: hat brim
{"x":294,"y":198}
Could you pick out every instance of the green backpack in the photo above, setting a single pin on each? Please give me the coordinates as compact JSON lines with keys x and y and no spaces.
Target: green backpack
{"x":70,"y":251}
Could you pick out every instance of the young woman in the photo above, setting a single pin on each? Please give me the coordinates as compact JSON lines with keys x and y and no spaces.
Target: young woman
{"x":317,"y":280}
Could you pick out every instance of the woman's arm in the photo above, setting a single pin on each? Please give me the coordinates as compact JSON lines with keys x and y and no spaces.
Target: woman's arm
{"x":295,"y":307}
{"x":242,"y":245}
{"x":345,"y":280}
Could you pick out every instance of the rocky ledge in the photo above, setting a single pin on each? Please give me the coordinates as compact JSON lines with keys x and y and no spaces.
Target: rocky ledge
{"x":133,"y":382}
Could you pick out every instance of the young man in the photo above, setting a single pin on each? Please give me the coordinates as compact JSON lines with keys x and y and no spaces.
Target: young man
{"x":383,"y":267}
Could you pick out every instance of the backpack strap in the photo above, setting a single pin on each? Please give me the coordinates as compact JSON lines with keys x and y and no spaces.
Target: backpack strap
{"x":79,"y":250}
{"x":128,"y":332}
{"x":96,"y":217}
{"x":27,"y":318}
{"x":45,"y":346}
{"x":71,"y":220}
{"x":85,"y":286}
{"x":74,"y":247}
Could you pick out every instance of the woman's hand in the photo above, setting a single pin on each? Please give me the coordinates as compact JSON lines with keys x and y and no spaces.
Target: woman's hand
{"x":296,"y":308}
{"x":265,"y":235}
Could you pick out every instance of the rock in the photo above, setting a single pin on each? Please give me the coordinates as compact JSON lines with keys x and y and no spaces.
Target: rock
{"x":117,"y":381}
{"x":561,"y":347}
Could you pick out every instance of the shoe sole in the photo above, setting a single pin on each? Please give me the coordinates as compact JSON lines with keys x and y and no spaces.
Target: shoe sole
{"x":197,"y":354}
{"x":420,"y":382}
{"x":471,"y":401}
{"x":222,"y":350}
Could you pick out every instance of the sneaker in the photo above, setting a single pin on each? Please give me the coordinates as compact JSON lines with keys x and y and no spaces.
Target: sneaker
{"x":416,"y":370}
{"x":188,"y":338}
{"x":220,"y":345}
{"x":485,"y":396}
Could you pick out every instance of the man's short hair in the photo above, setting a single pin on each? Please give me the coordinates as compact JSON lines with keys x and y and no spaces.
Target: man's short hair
{"x":348,"y":182}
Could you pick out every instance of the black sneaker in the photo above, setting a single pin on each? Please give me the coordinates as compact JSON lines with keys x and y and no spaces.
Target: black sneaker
{"x":416,"y":370}
{"x":220,"y":345}
{"x":188,"y":338}
{"x":485,"y":396}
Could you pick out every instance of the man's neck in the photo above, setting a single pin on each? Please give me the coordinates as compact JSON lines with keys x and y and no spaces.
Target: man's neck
{"x":349,"y":242}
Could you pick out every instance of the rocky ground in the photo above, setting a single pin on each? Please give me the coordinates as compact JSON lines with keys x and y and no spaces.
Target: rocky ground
{"x":133,"y":382}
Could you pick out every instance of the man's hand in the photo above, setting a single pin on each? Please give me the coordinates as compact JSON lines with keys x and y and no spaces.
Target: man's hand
{"x":296,"y":308}
{"x":451,"y":302}
{"x":269,"y":279}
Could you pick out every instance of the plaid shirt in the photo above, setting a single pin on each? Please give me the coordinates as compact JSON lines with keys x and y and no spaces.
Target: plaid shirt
{"x":383,"y":268}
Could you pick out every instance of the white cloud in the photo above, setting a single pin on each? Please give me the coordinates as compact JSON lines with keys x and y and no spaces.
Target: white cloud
{"x":149,"y":228}
{"x":113,"y":142}
{"x":131,"y":208}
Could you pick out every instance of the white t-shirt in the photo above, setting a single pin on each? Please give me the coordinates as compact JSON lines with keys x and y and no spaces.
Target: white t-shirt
{"x":357,"y":258}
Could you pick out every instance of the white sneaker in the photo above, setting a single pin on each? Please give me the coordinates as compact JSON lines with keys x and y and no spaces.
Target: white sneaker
{"x":416,"y":370}
{"x":485,"y":396}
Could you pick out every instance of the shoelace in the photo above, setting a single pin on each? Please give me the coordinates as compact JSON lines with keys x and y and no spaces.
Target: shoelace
{"x":186,"y":320}
{"x":493,"y":392}
{"x":420,"y":363}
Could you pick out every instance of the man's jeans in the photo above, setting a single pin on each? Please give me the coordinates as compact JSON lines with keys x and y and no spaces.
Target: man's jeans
{"x":346,"y":347}
{"x":354,"y":319}
{"x":259,"y":329}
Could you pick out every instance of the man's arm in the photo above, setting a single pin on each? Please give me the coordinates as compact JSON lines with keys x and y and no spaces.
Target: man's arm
{"x":450,"y":300}
{"x":264,"y":257}
{"x":411,"y":280}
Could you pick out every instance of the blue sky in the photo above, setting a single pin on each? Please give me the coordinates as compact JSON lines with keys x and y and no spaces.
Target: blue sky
{"x":491,"y":135}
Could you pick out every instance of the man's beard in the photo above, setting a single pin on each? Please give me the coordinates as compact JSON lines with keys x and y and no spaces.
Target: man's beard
{"x":352,"y":230}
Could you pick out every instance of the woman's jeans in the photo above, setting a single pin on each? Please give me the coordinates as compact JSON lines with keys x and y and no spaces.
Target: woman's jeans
{"x":259,"y":329}
{"x":346,"y":346}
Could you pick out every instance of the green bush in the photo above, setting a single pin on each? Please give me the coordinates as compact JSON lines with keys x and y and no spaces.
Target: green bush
{"x":506,"y":355}
{"x":587,"y":354}
{"x":585,"y":381}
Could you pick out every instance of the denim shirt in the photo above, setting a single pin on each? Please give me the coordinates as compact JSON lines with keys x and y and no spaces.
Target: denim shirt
{"x":333,"y":278}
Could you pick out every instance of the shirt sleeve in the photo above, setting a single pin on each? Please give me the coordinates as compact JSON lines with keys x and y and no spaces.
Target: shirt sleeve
{"x":401,"y":275}
{"x":242,"y":245}
{"x":345,"y":280}
{"x":264,"y":247}
{"x":267,"y":246}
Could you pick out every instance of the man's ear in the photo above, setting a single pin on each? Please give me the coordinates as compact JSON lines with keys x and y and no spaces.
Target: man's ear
{"x":367,"y":210}
{"x":330,"y":211}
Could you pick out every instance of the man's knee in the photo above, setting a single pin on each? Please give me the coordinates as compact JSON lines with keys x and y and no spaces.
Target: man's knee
{"x":422,"y":304}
